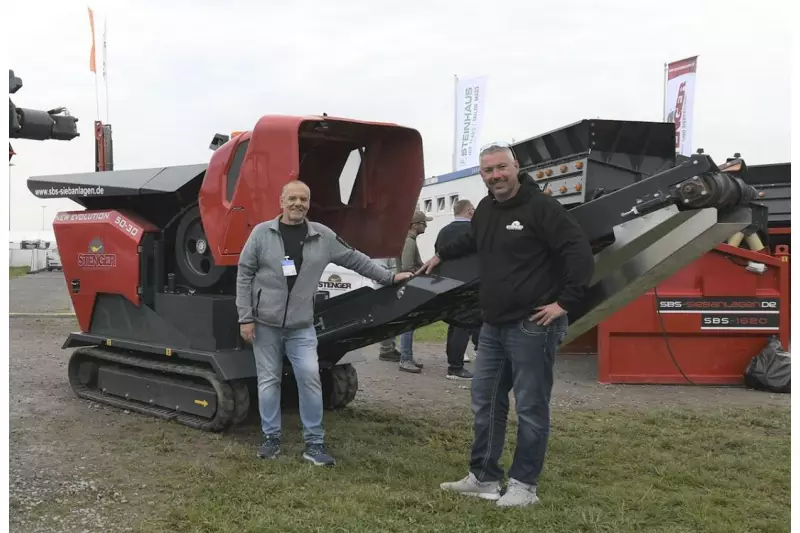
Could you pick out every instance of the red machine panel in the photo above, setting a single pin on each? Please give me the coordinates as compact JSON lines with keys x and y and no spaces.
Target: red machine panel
{"x":716,"y":316}
{"x":245,"y":176}
{"x":99,"y":252}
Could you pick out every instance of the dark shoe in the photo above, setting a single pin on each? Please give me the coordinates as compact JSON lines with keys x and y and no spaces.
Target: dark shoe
{"x":461,"y":373}
{"x":315,"y":453}
{"x":270,"y":448}
{"x":409,"y":366}
{"x":392,"y":357}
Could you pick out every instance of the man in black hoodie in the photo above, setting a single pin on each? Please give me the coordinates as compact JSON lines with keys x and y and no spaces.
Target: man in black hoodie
{"x":457,"y":338}
{"x":535,"y":265}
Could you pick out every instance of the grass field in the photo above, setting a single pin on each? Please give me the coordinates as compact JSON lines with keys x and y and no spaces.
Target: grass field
{"x":668,"y":471}
{"x":16,"y":272}
{"x":436,"y":332}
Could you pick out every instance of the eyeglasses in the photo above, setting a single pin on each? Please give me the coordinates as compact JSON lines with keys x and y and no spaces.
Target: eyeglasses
{"x":496,"y":144}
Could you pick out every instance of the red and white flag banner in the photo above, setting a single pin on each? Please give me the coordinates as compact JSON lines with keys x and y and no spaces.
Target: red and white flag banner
{"x":679,"y":101}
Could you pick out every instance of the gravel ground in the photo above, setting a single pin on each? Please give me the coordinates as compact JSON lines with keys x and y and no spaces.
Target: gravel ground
{"x":44,"y":292}
{"x":575,"y":387}
{"x":75,"y":466}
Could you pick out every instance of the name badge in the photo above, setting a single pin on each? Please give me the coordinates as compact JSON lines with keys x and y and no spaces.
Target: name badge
{"x":288,"y":267}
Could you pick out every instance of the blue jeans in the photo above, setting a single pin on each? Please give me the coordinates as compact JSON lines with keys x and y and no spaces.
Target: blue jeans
{"x":406,"y":346}
{"x":300,"y":347}
{"x":519,"y":356}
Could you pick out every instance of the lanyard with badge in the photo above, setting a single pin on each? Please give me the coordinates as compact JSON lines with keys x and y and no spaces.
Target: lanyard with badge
{"x":288,"y":267}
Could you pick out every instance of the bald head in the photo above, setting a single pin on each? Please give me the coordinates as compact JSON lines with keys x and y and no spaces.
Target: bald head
{"x":295,"y":186}
{"x":295,"y":200}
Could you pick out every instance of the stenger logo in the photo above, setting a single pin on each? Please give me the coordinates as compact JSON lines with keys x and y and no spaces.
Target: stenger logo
{"x":96,"y":246}
{"x":334,"y":282}
{"x":97,"y":256}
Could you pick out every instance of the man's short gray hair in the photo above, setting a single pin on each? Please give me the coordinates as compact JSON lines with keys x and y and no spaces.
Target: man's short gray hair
{"x":497,"y":147}
{"x":298,"y":182}
{"x":461,"y":206}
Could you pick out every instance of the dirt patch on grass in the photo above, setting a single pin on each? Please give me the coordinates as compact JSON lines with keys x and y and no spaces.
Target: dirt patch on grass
{"x":76,"y":466}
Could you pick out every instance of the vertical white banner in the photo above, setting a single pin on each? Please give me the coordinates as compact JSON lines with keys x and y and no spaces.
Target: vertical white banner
{"x":470,"y":108}
{"x":679,"y":101}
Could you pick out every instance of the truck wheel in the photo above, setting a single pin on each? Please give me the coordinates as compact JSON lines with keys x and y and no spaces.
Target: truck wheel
{"x":193,"y":254}
{"x":339,"y":386}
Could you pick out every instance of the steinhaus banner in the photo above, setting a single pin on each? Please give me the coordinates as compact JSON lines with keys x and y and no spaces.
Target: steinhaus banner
{"x":470,"y":108}
{"x":679,"y":101}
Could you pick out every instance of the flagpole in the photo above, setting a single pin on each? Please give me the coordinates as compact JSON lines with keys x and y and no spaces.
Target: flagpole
{"x":105,"y":67}
{"x":455,"y":120}
{"x":96,"y":97}
{"x":664,"y":91}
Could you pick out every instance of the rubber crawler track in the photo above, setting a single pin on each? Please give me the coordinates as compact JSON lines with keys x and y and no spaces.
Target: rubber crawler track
{"x":226,"y":413}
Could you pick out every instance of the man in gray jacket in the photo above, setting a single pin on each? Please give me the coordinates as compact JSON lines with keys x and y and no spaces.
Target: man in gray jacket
{"x":279,"y":271}
{"x":388,"y":347}
{"x":411,"y":261}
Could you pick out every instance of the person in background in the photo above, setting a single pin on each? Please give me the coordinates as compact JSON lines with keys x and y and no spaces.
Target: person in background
{"x":536,"y":264}
{"x":388,"y":347}
{"x":457,"y":338}
{"x":411,"y":261}
{"x":279,"y":271}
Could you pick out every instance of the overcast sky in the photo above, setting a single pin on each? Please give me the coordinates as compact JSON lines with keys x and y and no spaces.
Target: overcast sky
{"x":181,"y":71}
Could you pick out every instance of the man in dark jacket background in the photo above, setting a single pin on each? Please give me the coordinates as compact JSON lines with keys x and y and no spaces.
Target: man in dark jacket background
{"x":457,"y":338}
{"x":535,"y":266}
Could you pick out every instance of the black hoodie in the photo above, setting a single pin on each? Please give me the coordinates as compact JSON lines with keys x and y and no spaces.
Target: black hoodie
{"x":531,"y":251}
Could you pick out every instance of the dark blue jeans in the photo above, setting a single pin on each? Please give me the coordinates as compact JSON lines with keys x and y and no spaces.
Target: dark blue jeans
{"x":519,"y":356}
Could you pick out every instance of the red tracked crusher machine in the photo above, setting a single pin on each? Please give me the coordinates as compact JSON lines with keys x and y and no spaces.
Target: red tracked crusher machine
{"x":150,"y":264}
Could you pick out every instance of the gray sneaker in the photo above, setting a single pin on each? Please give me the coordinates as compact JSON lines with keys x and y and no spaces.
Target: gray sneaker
{"x":461,"y":373}
{"x":270,"y":448}
{"x":316,"y":454}
{"x":409,"y":366}
{"x":518,"y":494}
{"x":470,"y":486}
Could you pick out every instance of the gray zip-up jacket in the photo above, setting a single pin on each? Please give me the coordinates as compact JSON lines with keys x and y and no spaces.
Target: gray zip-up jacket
{"x":262,"y":293}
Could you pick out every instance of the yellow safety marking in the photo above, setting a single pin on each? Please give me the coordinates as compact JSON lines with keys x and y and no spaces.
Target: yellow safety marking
{"x":168,"y":352}
{"x":204,"y":403}
{"x":108,"y":342}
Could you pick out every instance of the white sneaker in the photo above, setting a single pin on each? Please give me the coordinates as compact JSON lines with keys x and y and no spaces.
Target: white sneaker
{"x":518,"y":494}
{"x":470,"y":486}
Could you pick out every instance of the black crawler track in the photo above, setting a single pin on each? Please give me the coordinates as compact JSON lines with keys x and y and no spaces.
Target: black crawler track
{"x":232,"y":399}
